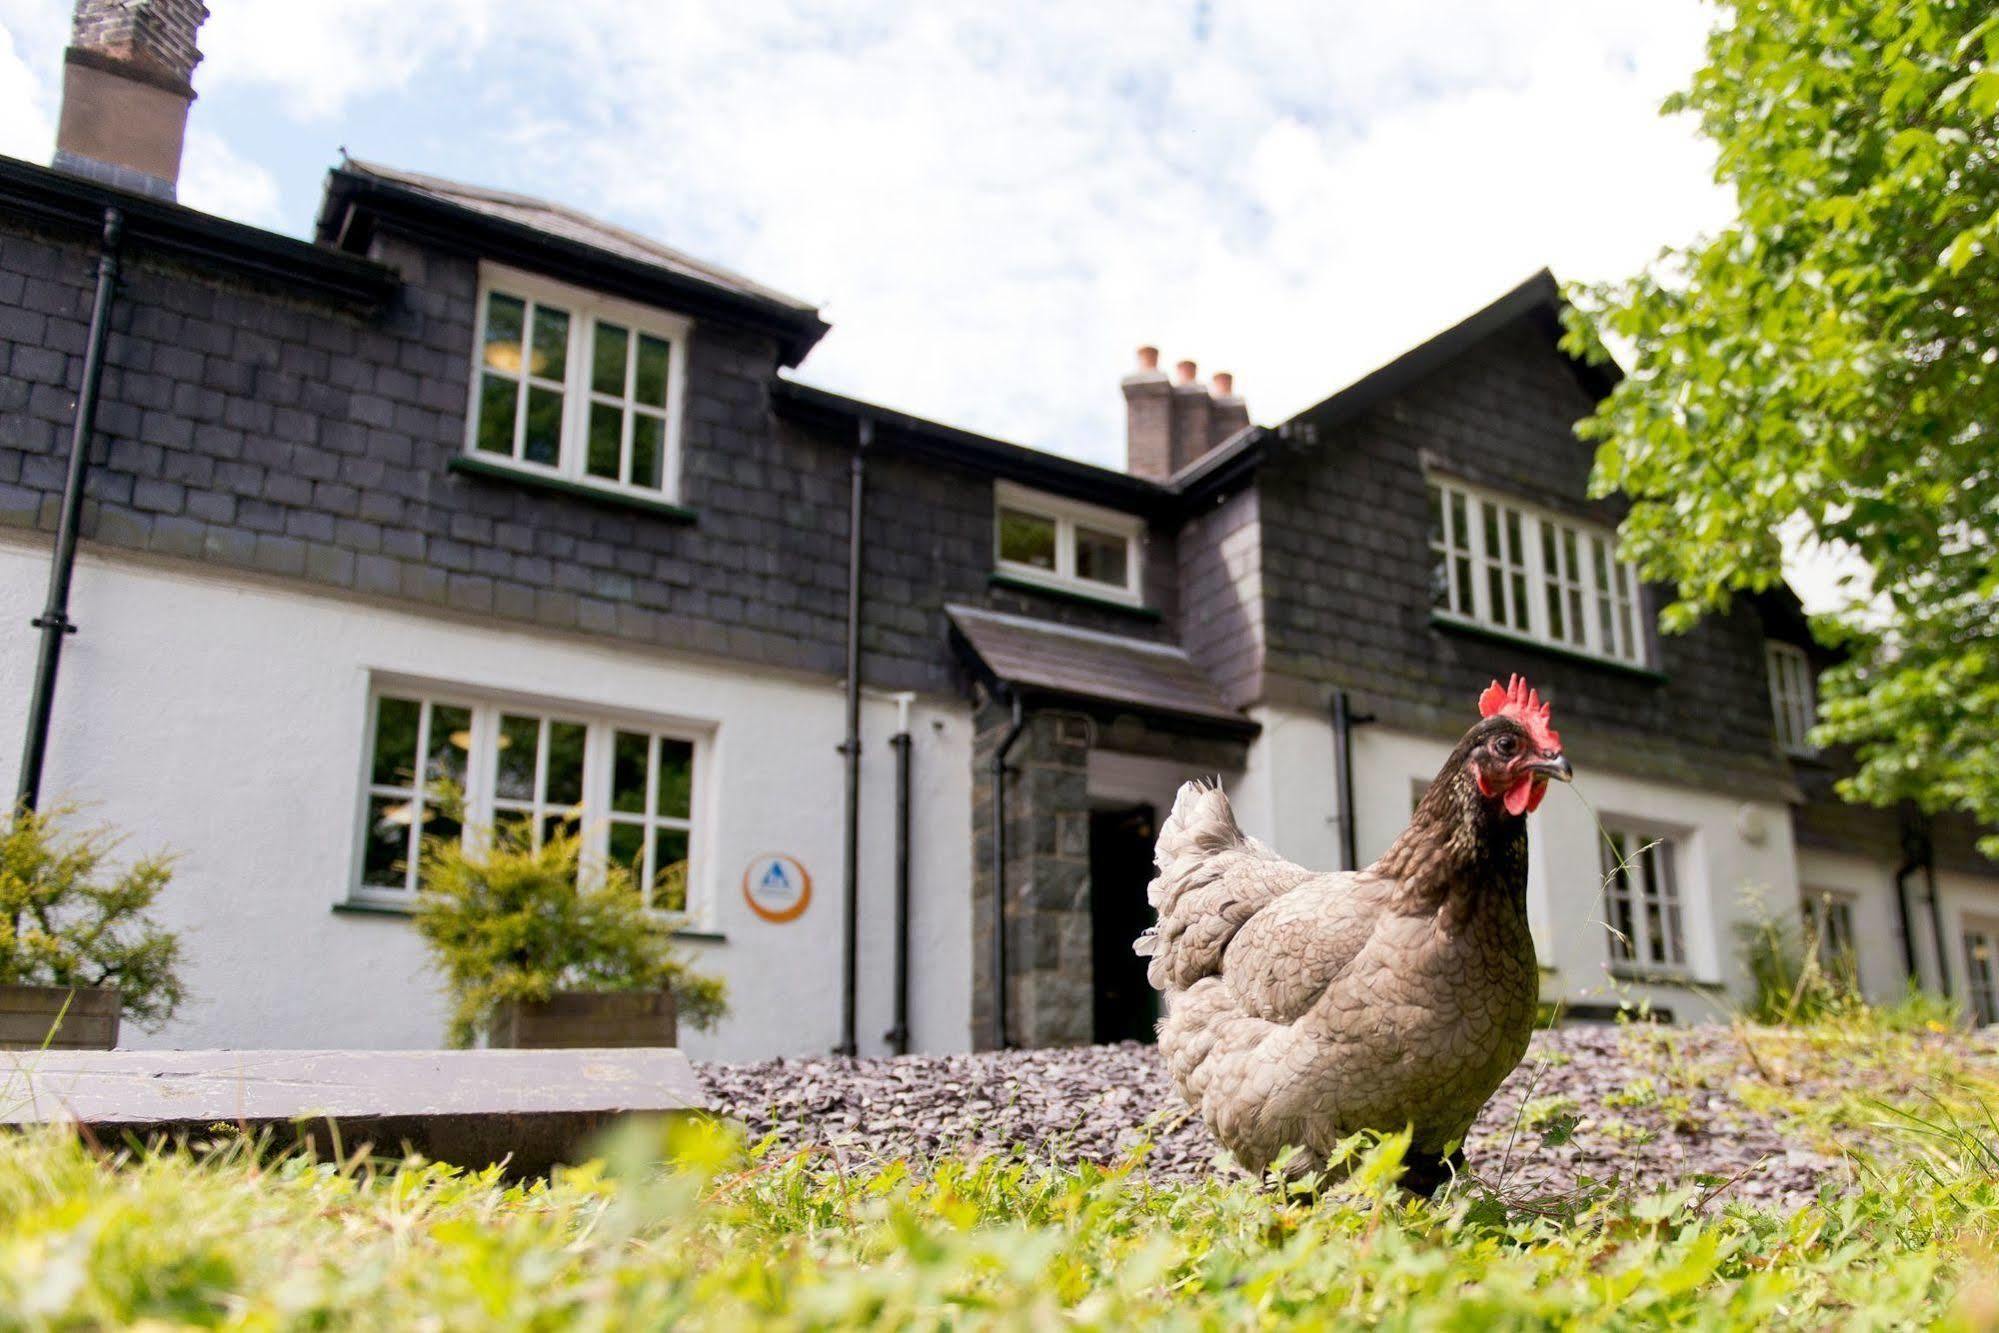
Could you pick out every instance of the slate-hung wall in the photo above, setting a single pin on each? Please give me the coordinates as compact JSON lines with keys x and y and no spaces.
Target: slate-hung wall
{"x":256,"y":430}
{"x":1346,"y":565}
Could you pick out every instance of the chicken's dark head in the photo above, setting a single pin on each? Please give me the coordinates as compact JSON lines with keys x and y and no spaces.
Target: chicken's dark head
{"x":1514,"y":752}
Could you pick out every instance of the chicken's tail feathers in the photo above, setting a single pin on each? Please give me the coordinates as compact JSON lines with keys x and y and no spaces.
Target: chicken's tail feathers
{"x":1211,"y":879}
{"x":1202,"y":824}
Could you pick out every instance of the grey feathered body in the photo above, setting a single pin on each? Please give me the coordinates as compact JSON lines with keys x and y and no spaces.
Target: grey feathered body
{"x":1304,"y":1007}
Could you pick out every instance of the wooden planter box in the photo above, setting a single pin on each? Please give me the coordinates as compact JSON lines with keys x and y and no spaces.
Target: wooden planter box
{"x":570,"y":1019}
{"x":29,"y":1017}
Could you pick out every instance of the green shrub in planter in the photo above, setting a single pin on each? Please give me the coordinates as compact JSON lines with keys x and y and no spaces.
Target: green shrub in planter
{"x":511,"y":922}
{"x":68,"y":919}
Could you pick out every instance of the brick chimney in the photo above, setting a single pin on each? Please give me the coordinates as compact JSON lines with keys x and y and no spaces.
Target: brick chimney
{"x":126,"y":91}
{"x":1169,"y":424}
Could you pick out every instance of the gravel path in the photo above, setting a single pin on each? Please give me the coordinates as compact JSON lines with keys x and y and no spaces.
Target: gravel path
{"x":1618,"y":1105}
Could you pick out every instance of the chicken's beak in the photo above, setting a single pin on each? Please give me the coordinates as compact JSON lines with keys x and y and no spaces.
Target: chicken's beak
{"x":1554,"y":766}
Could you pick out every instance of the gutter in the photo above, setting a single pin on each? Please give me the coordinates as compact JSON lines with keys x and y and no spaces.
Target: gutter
{"x":57,"y":200}
{"x":850,"y":749}
{"x":1000,"y":753}
{"x":898,"y":1035}
{"x":54,"y":622}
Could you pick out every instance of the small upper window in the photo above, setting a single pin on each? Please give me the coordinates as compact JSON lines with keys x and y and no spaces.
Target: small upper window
{"x":1064,"y":544}
{"x":1792,"y":696}
{"x":576,"y":384}
{"x":1532,"y":574}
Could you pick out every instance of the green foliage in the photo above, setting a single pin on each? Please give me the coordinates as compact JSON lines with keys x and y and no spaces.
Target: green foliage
{"x":1788,"y":983}
{"x":67,"y":918}
{"x":687,"y":1228}
{"x":1832,"y":359}
{"x":511,"y":921}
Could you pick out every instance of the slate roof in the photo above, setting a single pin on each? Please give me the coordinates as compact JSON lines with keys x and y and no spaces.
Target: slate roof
{"x":560,"y":220}
{"x":1046,"y":659}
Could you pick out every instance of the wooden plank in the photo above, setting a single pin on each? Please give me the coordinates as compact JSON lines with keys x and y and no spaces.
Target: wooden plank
{"x":531,"y":1109}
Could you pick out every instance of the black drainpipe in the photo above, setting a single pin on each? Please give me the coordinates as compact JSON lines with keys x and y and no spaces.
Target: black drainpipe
{"x":898,"y":1036}
{"x":1912,"y":860}
{"x":850,"y":749}
{"x":999,"y":873}
{"x":1936,"y":917}
{"x":54,"y":621}
{"x":1344,"y":721}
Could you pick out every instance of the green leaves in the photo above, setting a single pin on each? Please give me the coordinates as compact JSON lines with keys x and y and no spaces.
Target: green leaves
{"x":68,"y":918}
{"x":1831,"y":362}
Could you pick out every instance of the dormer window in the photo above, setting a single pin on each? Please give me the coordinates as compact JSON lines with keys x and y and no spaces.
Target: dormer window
{"x":1792,"y":696}
{"x":1531,"y":574}
{"x":1066,"y":545}
{"x":569,"y":384}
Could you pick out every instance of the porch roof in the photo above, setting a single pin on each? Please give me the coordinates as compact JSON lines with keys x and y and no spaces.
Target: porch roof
{"x":1047,"y":661}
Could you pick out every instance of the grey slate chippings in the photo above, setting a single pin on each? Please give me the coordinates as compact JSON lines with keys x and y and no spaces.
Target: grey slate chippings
{"x":1090,"y":1103}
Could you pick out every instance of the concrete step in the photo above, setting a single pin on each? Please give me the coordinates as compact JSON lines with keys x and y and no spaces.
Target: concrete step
{"x":528,"y":1108}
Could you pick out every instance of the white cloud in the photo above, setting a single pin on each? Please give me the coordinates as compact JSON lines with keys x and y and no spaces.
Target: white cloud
{"x":318,"y":56}
{"x":27,"y":104}
{"x":215,"y":179}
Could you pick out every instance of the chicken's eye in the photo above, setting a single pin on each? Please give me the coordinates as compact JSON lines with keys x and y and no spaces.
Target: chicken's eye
{"x":1506,"y":746}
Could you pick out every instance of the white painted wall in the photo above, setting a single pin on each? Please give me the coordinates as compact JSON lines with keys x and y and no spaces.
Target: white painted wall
{"x":225,"y":719}
{"x":1287,"y":795}
{"x":1719,"y":868}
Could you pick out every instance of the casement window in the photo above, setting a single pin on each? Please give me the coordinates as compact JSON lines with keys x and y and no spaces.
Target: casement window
{"x":1829,"y":923}
{"x":1068,"y":545}
{"x":577,"y":386}
{"x":530,"y":769}
{"x":1642,"y":900}
{"x":1981,"y":969}
{"x":1792,"y":696}
{"x":1531,"y":574}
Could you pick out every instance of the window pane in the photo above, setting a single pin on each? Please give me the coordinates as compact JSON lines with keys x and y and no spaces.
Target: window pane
{"x":669,"y":875}
{"x":496,"y":414}
{"x":386,"y":850}
{"x":607,"y":361}
{"x":520,"y":739}
{"x":676,"y":778}
{"x":1102,"y":557}
{"x":1027,"y":539}
{"x":1464,"y":585}
{"x":628,"y":771}
{"x":543,"y":441}
{"x":1436,"y":516}
{"x":1440,"y":583}
{"x":628,"y":848}
{"x":395,"y":742}
{"x":440,"y":826}
{"x":648,"y":450}
{"x":649,"y":383}
{"x":450,"y":744}
{"x":504,"y":319}
{"x":551,"y":343}
{"x":565,"y":763}
{"x":606,"y":426}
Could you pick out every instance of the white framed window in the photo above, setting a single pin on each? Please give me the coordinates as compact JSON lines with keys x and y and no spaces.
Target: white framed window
{"x":1981,"y":969}
{"x":1829,"y":923}
{"x":1642,"y":899}
{"x":1532,"y":574}
{"x":570,"y":384}
{"x":1067,"y":544}
{"x":1793,"y":696}
{"x":629,"y":790}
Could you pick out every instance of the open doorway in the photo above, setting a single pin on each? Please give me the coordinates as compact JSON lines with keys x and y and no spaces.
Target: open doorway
{"x":1126,"y":1006}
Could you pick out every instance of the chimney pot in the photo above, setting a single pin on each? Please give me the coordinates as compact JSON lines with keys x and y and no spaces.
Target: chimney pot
{"x":1148,"y":357}
{"x":1185,"y":372}
{"x":126,"y":91}
{"x":1224,"y":384}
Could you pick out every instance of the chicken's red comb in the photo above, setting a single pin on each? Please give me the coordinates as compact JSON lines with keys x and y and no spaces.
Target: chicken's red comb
{"x":1524,"y":706}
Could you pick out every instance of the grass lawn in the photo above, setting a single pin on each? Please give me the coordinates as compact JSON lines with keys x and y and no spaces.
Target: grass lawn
{"x":729,"y":1237}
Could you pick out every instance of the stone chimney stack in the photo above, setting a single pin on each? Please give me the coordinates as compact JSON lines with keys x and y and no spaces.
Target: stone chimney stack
{"x":1148,"y":410}
{"x":126,"y":91}
{"x":1169,"y":424}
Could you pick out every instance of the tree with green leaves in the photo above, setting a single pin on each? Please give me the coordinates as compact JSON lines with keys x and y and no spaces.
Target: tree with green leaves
{"x":1829,"y":365}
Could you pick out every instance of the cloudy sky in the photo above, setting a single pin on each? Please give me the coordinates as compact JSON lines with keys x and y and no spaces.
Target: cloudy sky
{"x":996,"y":202}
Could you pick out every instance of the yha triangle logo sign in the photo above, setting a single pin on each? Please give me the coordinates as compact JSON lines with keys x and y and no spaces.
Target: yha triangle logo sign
{"x":777,"y":887}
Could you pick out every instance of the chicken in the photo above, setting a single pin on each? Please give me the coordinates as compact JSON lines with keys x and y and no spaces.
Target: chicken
{"x":1303,"y":1007}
